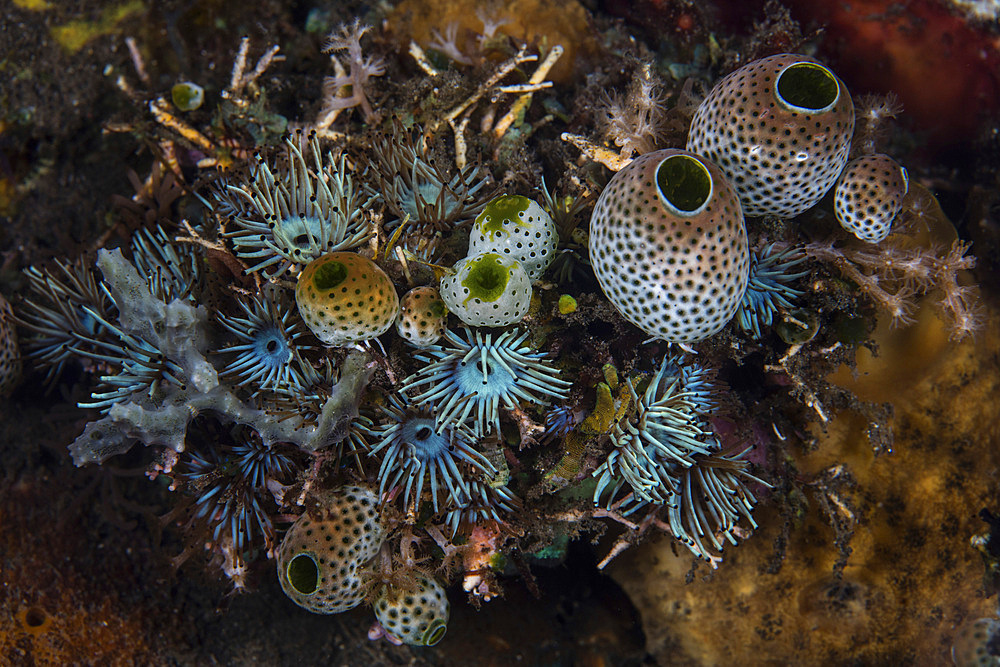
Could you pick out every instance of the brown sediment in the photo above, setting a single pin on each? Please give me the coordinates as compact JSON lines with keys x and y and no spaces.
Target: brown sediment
{"x":911,"y":577}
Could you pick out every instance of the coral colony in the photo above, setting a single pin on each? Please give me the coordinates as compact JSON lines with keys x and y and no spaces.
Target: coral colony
{"x":376,"y":365}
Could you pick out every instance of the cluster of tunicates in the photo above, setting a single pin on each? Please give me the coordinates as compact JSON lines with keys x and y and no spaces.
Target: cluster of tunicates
{"x":512,"y":242}
{"x":324,"y":562}
{"x":668,"y":242}
{"x":326,"y":565}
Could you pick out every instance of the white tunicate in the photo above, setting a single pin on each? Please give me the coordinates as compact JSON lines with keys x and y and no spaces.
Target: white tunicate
{"x":487,"y":290}
{"x":516,"y":227}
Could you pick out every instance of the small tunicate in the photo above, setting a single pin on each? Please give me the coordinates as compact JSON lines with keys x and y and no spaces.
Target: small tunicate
{"x":869,"y":195}
{"x":10,"y":356}
{"x":798,"y":326}
{"x":345,"y":298}
{"x":487,"y":290}
{"x":415,"y":613}
{"x":423,"y":317}
{"x":187,"y":96}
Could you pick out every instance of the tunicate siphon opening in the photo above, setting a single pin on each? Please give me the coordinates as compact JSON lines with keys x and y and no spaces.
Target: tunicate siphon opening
{"x":435,"y":632}
{"x":487,"y":278}
{"x":807,"y":87}
{"x":303,"y":574}
{"x":329,"y":275}
{"x":35,"y":617}
{"x":684,"y":184}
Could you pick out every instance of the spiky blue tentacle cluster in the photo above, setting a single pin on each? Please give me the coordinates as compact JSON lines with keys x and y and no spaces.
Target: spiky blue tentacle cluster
{"x":559,"y":421}
{"x":423,"y":192}
{"x":230,"y":487}
{"x":57,"y":313}
{"x":171,"y":269}
{"x":140,"y":367}
{"x":768,"y":288}
{"x":485,"y":502}
{"x":71,"y":312}
{"x":666,"y":431}
{"x":141,"y":363}
{"x":416,"y":448}
{"x":318,"y":397}
{"x":267,"y":347}
{"x":470,"y":377}
{"x":712,"y":497}
{"x":292,"y":212}
{"x":668,"y":455}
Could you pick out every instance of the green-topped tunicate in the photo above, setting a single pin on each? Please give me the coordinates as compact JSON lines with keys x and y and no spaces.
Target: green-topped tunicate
{"x":345,"y":298}
{"x":487,"y":290}
{"x":519,"y":228}
{"x":187,"y":96}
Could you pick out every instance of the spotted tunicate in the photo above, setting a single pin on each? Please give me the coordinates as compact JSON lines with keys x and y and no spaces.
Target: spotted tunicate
{"x":780,"y":128}
{"x":10,"y":356}
{"x":487,"y":290}
{"x":323,"y":561}
{"x":345,"y":298}
{"x":516,"y":227}
{"x":669,"y":247}
{"x":423,"y":317}
{"x":415,"y":614}
{"x":869,"y":195}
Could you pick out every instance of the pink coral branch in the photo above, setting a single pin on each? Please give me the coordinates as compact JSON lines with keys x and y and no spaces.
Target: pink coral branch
{"x":347,"y":89}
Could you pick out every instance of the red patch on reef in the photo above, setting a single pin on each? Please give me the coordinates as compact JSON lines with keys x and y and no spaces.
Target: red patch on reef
{"x":944,"y":70}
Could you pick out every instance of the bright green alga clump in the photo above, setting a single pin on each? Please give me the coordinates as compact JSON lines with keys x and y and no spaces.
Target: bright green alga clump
{"x":486,"y":278}
{"x":567,"y":304}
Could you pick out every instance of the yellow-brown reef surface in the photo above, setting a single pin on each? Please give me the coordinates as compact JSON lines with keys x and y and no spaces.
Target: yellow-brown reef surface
{"x":912,"y":577}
